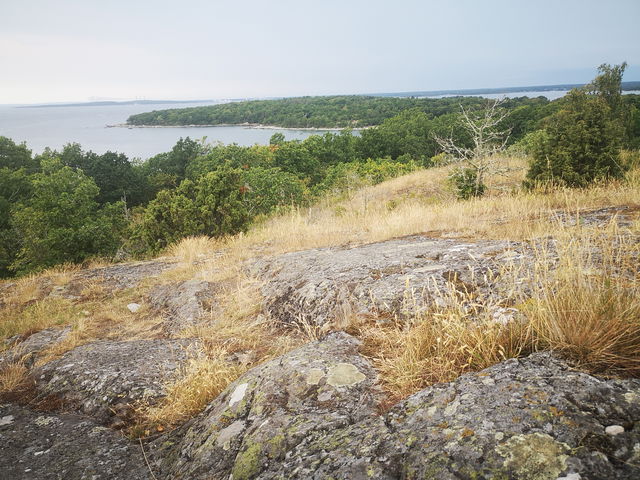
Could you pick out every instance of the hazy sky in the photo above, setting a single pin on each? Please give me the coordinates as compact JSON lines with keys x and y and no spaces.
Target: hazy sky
{"x":66,"y":50}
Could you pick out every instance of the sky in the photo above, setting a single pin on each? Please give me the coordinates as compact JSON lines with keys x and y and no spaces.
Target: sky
{"x":79,"y":50}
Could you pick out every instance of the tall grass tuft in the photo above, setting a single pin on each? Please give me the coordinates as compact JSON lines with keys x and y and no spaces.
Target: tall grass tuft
{"x":589,"y":308}
{"x":201,"y":381}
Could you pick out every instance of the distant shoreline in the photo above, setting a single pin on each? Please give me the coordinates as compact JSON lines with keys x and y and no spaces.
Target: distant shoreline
{"x":246,"y":125}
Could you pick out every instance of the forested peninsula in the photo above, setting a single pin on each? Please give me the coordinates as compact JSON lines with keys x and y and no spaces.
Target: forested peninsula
{"x":353,"y":111}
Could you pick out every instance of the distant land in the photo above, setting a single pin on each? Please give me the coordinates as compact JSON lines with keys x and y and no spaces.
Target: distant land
{"x":345,"y":111}
{"x":626,"y":86}
{"x":106,"y":103}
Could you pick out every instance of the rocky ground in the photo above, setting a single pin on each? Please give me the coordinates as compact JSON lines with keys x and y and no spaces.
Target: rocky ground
{"x":315,"y":412}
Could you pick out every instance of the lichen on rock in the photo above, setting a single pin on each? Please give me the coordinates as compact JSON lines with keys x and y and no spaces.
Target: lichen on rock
{"x":536,"y":456}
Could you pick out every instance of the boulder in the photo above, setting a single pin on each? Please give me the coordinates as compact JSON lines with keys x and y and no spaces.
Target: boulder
{"x":531,"y":419}
{"x":267,"y":412}
{"x":105,"y":379}
{"x":44,"y":446}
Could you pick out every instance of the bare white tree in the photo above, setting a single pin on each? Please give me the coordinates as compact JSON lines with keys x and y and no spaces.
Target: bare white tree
{"x":488,"y":139}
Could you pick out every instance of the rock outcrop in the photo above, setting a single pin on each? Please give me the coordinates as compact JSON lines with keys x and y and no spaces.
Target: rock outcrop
{"x":182,"y":304}
{"x":311,"y":414}
{"x":125,"y":275}
{"x":269,"y":411}
{"x":42,"y":446}
{"x":26,"y":350}
{"x":392,"y":278}
{"x":315,"y":412}
{"x":106,"y":379}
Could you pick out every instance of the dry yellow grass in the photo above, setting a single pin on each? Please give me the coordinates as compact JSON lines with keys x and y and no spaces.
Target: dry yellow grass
{"x":440,"y":344}
{"x":202,"y":380}
{"x":13,"y":379}
{"x":191,"y":249}
{"x":233,"y":339}
{"x":589,"y":308}
{"x":41,"y":314}
{"x":506,"y":213}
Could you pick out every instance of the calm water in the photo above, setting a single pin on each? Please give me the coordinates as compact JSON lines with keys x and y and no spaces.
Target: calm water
{"x":56,"y":126}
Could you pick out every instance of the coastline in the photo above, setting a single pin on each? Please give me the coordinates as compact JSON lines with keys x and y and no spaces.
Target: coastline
{"x":246,"y":125}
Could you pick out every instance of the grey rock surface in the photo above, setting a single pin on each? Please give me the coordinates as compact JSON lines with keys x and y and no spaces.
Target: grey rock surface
{"x":182,"y":304}
{"x":267,"y":412}
{"x":532,"y":419}
{"x":311,"y":415}
{"x":392,"y":278}
{"x":622,"y":215}
{"x":105,"y":379}
{"x":26,"y":351}
{"x":124,"y":275}
{"x":44,"y":446}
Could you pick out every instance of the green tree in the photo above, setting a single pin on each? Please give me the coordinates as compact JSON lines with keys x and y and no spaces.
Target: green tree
{"x":14,"y":157}
{"x":581,"y":144}
{"x":167,"y":170}
{"x":294,"y":157}
{"x":608,"y":85}
{"x":582,"y":140}
{"x":62,"y":222}
{"x":408,"y":133}
{"x":270,"y":188}
{"x":15,"y":187}
{"x":277,"y":139}
{"x":112,"y":172}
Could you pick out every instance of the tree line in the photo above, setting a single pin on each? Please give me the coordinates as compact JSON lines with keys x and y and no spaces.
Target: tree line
{"x":323,"y":112}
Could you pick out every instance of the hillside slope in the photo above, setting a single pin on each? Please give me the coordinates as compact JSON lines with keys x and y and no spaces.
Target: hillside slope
{"x":390,"y":333}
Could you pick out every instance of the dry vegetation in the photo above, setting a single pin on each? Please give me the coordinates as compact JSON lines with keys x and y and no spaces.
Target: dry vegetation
{"x":588,"y":307}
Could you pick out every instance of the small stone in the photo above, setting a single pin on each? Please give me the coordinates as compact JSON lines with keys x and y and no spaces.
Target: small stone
{"x":614,"y":429}
{"x":238,"y":394}
{"x":571,"y":476}
{"x":7,"y":420}
{"x":133,"y":307}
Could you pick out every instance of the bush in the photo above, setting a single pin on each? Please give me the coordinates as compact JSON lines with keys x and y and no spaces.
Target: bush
{"x":465,"y":183}
{"x":214,"y":205}
{"x":270,"y":188}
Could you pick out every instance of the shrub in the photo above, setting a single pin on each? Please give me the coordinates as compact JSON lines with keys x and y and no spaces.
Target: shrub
{"x":213,"y":205}
{"x":466,"y":184}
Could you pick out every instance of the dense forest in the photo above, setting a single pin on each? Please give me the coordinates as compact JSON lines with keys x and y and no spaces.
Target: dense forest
{"x":72,"y":205}
{"x":325,"y":112}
